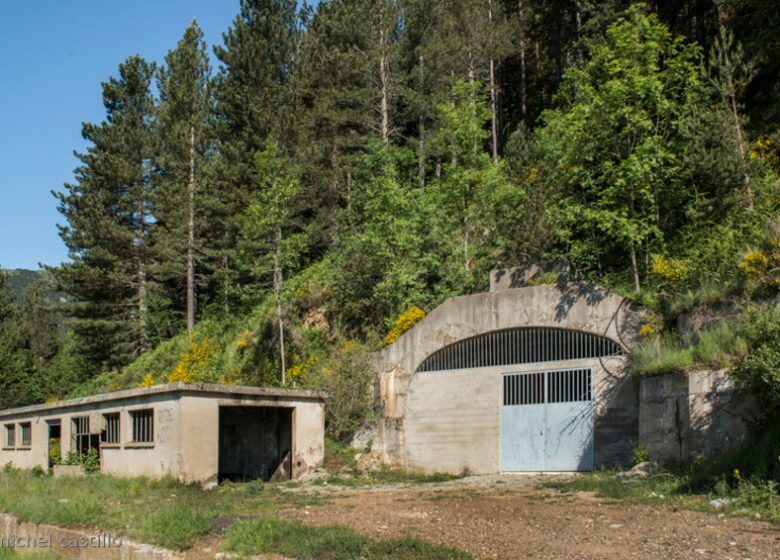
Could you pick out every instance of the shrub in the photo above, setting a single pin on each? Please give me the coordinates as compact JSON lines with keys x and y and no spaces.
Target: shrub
{"x":406,"y":321}
{"x":672,"y":271}
{"x":716,"y":347}
{"x":760,"y":364}
{"x":640,"y":454}
{"x":194,"y":363}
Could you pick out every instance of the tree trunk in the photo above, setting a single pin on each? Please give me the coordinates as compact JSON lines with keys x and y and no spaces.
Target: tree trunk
{"x":421,"y":133}
{"x":140,"y":253}
{"x":493,"y":94}
{"x":277,"y":288}
{"x":523,"y":78}
{"x":191,"y":237}
{"x":635,"y":266}
{"x":383,"y":78}
{"x":741,"y":144}
{"x":466,"y":265}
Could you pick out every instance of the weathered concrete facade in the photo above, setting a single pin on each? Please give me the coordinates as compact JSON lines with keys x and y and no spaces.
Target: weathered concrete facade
{"x":449,"y":419}
{"x":172,"y":429}
{"x":695,"y":416}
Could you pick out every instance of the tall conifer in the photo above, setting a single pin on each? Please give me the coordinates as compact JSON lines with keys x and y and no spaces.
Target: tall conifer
{"x":108,"y":213}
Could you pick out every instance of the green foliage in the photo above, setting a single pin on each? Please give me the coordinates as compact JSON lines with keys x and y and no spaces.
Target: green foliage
{"x":612,"y":143}
{"x":640,"y":454}
{"x":89,"y":460}
{"x":760,"y":366}
{"x":474,"y":189}
{"x":294,"y":539}
{"x":347,"y":375}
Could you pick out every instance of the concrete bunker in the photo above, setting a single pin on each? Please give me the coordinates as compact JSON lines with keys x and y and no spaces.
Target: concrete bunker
{"x":517,"y":379}
{"x":255,"y":443}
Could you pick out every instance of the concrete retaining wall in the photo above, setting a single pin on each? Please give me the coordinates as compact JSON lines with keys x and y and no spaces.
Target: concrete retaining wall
{"x":696,"y":416}
{"x":77,"y":545}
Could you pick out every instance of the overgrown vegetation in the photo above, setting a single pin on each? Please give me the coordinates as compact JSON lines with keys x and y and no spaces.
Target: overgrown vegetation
{"x":341,"y":461}
{"x":744,"y":481}
{"x":182,"y":513}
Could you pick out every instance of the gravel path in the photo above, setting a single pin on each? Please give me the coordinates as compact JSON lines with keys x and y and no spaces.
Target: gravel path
{"x":508,"y":517}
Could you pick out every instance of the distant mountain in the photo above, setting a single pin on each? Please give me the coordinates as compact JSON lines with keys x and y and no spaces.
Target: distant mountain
{"x":20,"y":279}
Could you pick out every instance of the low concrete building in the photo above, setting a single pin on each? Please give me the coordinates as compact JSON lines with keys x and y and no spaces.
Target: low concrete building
{"x":193,"y":431}
{"x":517,"y":379}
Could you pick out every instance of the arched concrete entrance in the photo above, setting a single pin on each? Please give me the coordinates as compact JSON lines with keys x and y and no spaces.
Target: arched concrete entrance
{"x":519,"y":379}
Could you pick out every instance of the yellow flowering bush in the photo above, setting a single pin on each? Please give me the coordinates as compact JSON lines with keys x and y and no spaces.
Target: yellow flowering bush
{"x":653,"y":325}
{"x":295,"y":373}
{"x":754,"y":264}
{"x":148,"y":381}
{"x":194,"y":363}
{"x":406,"y":321}
{"x":649,"y":330}
{"x":765,"y":151}
{"x":244,"y":340}
{"x":673,"y":271}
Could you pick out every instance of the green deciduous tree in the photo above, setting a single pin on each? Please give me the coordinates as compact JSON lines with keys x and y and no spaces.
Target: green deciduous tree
{"x":613,"y":142}
{"x":271,"y":243}
{"x":474,"y":189}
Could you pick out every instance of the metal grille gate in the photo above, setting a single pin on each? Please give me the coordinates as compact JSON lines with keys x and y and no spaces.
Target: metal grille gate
{"x":523,"y":345}
{"x":547,"y":421}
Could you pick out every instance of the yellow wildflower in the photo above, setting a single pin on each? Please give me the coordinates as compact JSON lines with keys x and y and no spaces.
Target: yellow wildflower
{"x":406,"y":321}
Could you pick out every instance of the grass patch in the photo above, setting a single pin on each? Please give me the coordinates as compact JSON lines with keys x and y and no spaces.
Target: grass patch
{"x":163,"y":512}
{"x":293,"y":539}
{"x":338,"y":455}
{"x":716,"y":348}
{"x":340,"y":460}
{"x":746,"y":479}
{"x":387,"y":475}
{"x":7,"y":553}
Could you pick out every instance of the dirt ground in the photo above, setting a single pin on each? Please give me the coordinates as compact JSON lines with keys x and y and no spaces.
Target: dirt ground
{"x":510,"y":517}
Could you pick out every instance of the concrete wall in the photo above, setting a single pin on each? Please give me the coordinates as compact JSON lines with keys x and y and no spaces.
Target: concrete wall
{"x":452,"y":417}
{"x":449,"y":420}
{"x":128,"y":459}
{"x":689,"y":417}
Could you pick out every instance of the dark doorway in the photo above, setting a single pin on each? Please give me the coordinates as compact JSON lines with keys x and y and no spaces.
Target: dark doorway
{"x":254,"y":442}
{"x":55,"y":442}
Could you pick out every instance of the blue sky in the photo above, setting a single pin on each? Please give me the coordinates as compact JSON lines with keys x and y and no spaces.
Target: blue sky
{"x":53,"y":57}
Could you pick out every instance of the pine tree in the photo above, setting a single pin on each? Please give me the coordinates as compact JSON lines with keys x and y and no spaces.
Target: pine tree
{"x":338,"y":96}
{"x":107,"y":212}
{"x":185,"y":134}
{"x":252,"y":102}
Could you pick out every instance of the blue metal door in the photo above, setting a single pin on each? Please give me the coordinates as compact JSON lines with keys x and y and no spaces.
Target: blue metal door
{"x":547,"y":421}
